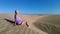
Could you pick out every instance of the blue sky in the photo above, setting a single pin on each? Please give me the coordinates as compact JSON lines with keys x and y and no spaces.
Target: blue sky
{"x":30,"y":6}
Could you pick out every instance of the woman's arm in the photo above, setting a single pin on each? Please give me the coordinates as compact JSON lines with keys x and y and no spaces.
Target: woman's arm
{"x":14,"y":20}
{"x":15,"y":23}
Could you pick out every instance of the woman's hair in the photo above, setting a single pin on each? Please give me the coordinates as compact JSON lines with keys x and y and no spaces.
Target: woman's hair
{"x":16,"y":11}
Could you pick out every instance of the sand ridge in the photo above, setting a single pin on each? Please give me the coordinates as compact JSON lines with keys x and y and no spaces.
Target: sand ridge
{"x":8,"y":28}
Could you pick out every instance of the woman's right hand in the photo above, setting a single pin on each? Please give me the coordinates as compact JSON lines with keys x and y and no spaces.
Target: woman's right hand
{"x":15,"y":24}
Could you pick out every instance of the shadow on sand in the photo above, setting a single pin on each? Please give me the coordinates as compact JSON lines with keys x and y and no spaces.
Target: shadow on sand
{"x":10,"y":21}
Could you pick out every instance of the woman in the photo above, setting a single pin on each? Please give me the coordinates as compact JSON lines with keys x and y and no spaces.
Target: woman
{"x":18,"y":21}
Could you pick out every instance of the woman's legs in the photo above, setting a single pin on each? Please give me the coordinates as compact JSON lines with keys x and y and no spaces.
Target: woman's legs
{"x":24,"y":23}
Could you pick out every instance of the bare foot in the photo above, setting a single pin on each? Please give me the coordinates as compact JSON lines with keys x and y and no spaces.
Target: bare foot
{"x":27,"y":24}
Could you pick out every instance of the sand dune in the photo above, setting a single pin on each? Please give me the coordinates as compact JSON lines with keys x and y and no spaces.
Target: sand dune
{"x":6,"y":27}
{"x":49,"y":24}
{"x":38,"y":24}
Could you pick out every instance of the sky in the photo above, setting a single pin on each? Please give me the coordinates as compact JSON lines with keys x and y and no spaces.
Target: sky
{"x":30,"y":6}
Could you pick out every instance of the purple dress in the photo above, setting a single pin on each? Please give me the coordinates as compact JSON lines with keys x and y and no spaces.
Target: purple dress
{"x":18,"y":20}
